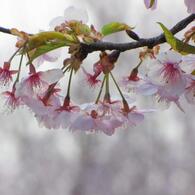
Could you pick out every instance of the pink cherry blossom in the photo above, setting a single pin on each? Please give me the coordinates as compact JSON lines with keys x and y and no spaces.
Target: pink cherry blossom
{"x":166,"y":72}
{"x":97,"y":118}
{"x":190,"y":90}
{"x":141,"y":86}
{"x":188,"y":63}
{"x":65,"y":114}
{"x":11,"y":100}
{"x":148,"y":2}
{"x":38,"y":82}
{"x":190,"y":5}
{"x":6,"y":74}
{"x":44,"y":106}
{"x":91,"y":78}
{"x":164,"y":98}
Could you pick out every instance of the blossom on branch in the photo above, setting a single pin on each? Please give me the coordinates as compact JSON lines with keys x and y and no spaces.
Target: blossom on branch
{"x":6,"y":74}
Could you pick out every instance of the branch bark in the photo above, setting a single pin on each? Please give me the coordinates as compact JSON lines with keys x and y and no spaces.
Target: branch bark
{"x":151,"y":42}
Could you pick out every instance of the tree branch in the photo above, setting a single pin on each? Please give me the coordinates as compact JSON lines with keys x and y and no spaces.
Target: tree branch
{"x":5,"y":30}
{"x":151,"y":42}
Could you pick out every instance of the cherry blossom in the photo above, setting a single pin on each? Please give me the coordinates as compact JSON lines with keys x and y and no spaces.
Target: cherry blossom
{"x":91,"y":79}
{"x":11,"y":100}
{"x":190,"y":5}
{"x":38,"y":82}
{"x":97,"y":118}
{"x":65,"y":115}
{"x":166,"y":72}
{"x":188,"y":64}
{"x":44,"y":106}
{"x":6,"y":74}
{"x":165,"y":76}
{"x":190,"y":90}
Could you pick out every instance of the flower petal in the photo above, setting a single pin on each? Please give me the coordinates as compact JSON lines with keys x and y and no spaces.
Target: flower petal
{"x":51,"y":76}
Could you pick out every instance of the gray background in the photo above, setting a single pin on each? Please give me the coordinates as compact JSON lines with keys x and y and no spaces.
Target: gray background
{"x":155,"y":158}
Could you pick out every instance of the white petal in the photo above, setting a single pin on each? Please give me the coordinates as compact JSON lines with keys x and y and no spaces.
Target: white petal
{"x":56,"y":22}
{"x":147,"y":89}
{"x":72,"y":13}
{"x":190,"y":5}
{"x":51,"y":76}
{"x":190,"y":95}
{"x":135,"y":117}
{"x":188,"y":64}
{"x":170,"y":57}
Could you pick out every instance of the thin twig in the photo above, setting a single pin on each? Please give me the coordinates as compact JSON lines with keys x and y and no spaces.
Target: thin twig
{"x":151,"y":42}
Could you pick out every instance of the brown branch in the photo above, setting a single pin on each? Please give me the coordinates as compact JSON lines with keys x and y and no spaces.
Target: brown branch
{"x":5,"y":30}
{"x":151,"y":42}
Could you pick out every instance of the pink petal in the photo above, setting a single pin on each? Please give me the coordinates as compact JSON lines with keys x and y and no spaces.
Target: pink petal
{"x":190,"y":5}
{"x":51,"y":76}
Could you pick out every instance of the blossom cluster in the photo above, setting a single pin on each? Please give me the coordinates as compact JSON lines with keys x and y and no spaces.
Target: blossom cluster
{"x":168,"y":76}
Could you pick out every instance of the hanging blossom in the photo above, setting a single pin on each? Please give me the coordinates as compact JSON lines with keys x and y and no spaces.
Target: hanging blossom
{"x":104,"y":65}
{"x":190,"y":5}
{"x":168,"y":77}
{"x":106,"y":117}
{"x":6,"y":74}
{"x":189,"y":68}
{"x":12,"y":101}
{"x":166,"y":72}
{"x":38,"y":82}
{"x":44,"y":106}
{"x":165,"y":79}
{"x":190,"y":90}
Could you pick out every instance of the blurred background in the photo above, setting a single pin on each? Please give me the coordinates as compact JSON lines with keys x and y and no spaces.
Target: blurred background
{"x":154,"y":158}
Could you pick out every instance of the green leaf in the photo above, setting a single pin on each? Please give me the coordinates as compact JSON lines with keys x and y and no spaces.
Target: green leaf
{"x":114,"y":27}
{"x":151,"y":3}
{"x":43,"y":37}
{"x":177,"y":44}
{"x":44,"y":49}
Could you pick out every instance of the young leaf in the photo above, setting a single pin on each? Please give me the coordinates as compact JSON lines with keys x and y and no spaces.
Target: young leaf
{"x":114,"y":27}
{"x":43,"y":37}
{"x":177,"y":44}
{"x":44,"y":49}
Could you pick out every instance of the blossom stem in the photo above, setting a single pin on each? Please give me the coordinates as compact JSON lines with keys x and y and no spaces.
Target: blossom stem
{"x":19,"y":69}
{"x":65,"y":70}
{"x":14,"y":54}
{"x":107,"y":91}
{"x":101,"y":88}
{"x":139,"y":64}
{"x":119,"y":90}
{"x":69,"y":83}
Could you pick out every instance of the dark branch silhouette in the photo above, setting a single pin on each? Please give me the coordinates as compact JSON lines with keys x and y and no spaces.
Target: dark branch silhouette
{"x":151,"y":42}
